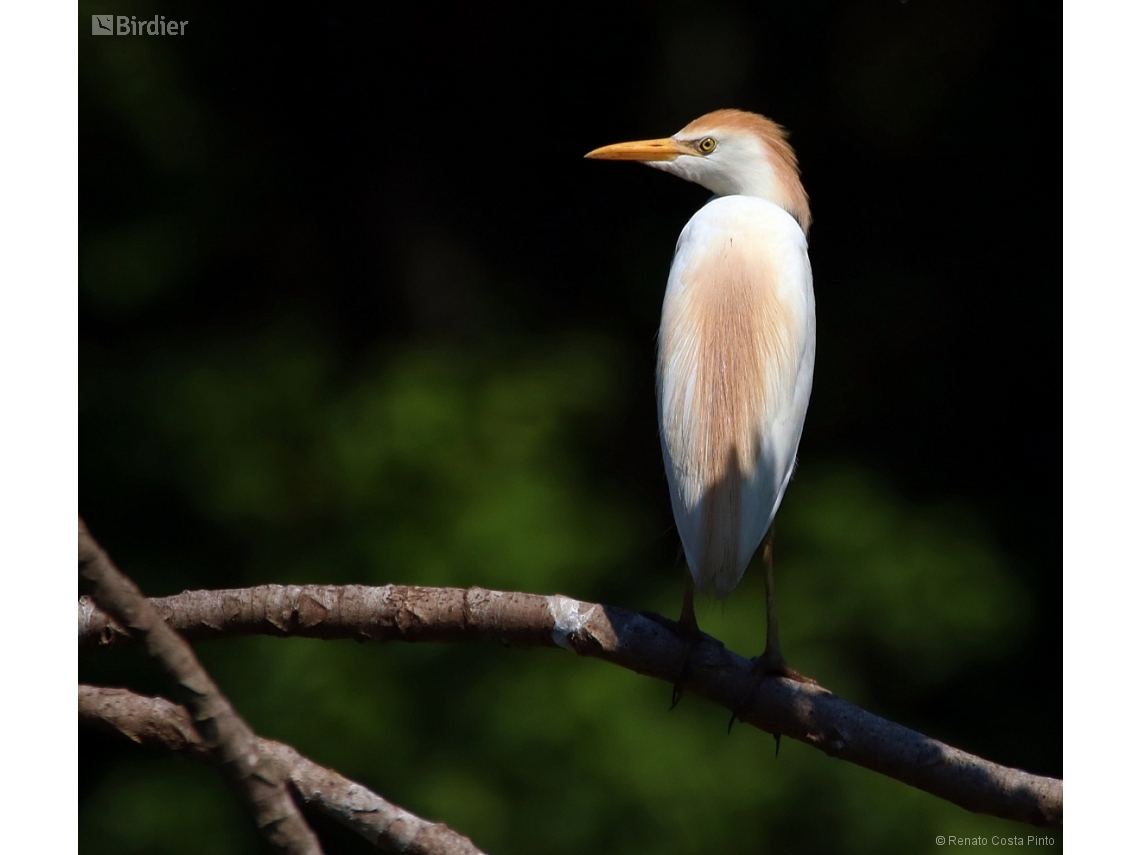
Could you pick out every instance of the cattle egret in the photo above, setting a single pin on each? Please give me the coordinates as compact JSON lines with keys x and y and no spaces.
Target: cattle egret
{"x":736,"y":348}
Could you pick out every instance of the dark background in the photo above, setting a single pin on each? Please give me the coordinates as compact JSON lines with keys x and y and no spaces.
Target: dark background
{"x":355,"y":309}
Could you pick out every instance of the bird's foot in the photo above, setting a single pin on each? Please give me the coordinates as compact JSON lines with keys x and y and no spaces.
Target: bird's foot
{"x":770,"y":663}
{"x":693,"y":638}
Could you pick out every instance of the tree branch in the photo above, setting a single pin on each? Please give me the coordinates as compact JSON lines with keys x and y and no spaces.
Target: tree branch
{"x":158,"y":723}
{"x":647,"y":644}
{"x":261,"y":787}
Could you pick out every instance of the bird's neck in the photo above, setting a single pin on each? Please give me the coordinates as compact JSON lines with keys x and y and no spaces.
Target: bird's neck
{"x":766,"y":173}
{"x":774,"y":182}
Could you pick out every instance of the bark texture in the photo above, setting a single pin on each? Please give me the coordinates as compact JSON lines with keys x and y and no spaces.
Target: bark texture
{"x":253,"y":776}
{"x":158,"y":723}
{"x":647,"y":644}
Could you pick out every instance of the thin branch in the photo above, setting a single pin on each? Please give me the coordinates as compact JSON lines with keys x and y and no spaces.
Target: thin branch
{"x":251,"y":774}
{"x":647,"y":644}
{"x":158,"y":723}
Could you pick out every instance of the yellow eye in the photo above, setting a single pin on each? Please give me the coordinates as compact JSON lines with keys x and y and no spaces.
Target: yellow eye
{"x":706,"y":145}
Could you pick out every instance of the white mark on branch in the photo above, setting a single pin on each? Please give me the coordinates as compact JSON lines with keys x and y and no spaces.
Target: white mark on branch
{"x":567,"y":619}
{"x":86,"y":610}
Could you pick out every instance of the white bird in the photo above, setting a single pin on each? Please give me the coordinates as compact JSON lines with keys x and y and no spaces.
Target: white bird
{"x":736,"y":347}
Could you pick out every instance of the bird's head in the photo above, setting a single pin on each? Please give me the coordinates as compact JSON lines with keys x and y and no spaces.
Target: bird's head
{"x":730,"y":152}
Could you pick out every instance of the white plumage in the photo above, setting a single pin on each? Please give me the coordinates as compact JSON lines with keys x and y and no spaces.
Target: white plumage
{"x":736,"y":348}
{"x":735,"y":359}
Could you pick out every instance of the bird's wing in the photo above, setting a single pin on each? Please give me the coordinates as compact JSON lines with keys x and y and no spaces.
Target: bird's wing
{"x":735,"y":358}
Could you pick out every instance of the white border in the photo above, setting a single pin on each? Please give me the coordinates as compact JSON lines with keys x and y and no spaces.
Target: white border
{"x":1102,"y":428}
{"x":38,"y":418}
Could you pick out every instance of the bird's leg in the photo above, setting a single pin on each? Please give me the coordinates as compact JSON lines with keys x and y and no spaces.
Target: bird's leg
{"x":688,"y":612}
{"x":688,"y":627}
{"x":771,"y":661}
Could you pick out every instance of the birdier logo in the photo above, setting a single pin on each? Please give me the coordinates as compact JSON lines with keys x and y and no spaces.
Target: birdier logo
{"x":124,"y":25}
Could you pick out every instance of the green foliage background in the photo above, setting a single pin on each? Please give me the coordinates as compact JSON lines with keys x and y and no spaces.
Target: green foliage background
{"x":222,"y":451}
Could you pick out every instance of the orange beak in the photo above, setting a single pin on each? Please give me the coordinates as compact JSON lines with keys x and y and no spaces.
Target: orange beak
{"x":643,"y":151}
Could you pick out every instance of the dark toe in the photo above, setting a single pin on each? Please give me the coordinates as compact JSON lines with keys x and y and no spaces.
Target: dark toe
{"x":773,"y":665}
{"x":763,"y":666}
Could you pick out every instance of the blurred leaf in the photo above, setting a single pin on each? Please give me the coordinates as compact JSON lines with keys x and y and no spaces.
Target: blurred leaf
{"x":445,"y":467}
{"x":164,"y":805}
{"x":134,"y":264}
{"x":924,"y":586}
